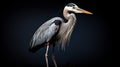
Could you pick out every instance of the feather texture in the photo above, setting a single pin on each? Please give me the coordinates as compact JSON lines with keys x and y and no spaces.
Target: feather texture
{"x":44,"y":33}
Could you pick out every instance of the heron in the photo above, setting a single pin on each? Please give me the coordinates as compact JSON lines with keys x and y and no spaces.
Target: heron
{"x":56,"y":31}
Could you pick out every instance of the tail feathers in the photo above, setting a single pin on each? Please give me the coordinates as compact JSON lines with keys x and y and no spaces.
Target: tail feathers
{"x":36,"y":48}
{"x":32,"y":50}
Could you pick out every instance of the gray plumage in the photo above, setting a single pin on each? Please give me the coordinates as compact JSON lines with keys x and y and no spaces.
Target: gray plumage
{"x":44,"y":33}
{"x":56,"y":31}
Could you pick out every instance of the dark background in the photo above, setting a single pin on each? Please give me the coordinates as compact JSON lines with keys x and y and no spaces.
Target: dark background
{"x":90,"y":44}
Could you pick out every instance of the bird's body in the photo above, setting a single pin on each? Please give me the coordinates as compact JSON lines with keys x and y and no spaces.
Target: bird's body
{"x":56,"y":31}
{"x":47,"y":32}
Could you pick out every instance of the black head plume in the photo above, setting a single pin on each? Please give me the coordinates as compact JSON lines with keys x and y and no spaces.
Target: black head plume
{"x":70,"y":4}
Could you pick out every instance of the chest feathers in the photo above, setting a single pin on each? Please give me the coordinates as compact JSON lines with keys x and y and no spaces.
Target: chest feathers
{"x":66,"y":30}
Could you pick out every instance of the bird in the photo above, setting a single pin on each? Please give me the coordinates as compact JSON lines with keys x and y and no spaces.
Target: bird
{"x":55,"y":31}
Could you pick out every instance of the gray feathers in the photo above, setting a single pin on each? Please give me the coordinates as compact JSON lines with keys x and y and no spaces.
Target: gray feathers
{"x":45,"y":32}
{"x":53,"y":27}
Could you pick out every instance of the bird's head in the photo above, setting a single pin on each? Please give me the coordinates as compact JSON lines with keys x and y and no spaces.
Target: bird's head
{"x":74,"y":8}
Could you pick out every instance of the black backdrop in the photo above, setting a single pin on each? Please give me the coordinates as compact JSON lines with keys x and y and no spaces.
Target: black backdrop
{"x":90,"y":44}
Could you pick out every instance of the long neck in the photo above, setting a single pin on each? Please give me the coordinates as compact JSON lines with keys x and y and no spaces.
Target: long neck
{"x":67,"y":28}
{"x":69,"y":16}
{"x":66,"y":13}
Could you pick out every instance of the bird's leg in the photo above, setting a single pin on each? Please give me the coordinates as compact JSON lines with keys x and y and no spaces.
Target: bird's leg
{"x":53,"y":56}
{"x":46,"y":54}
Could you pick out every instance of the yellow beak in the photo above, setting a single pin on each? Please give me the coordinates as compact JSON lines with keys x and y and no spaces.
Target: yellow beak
{"x":84,"y":11}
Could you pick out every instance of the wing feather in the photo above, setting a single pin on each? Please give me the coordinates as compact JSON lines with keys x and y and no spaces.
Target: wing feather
{"x":44,"y":33}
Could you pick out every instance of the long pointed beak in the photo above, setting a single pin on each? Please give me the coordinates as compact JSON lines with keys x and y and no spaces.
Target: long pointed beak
{"x":84,"y":11}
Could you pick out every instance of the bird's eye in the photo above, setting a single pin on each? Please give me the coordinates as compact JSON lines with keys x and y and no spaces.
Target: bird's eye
{"x":73,"y":7}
